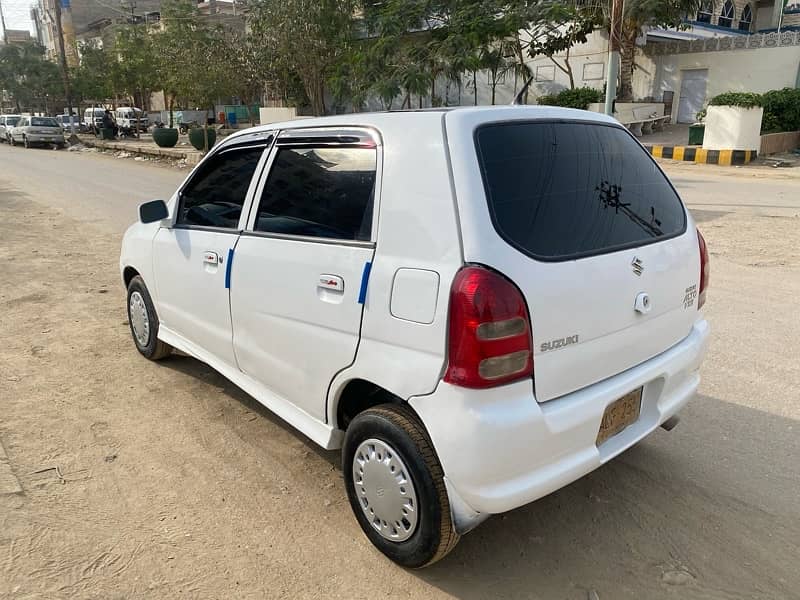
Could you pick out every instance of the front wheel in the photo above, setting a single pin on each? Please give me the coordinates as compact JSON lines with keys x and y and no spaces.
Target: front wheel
{"x":12,"y":141}
{"x":395,"y":485}
{"x":143,"y":321}
{"x":25,"y":142}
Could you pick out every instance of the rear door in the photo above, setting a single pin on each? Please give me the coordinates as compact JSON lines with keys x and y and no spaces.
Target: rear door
{"x":582,"y":220}
{"x":301,"y":267}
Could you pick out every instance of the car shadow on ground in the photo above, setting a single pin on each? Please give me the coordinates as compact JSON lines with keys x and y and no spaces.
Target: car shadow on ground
{"x":190,"y":366}
{"x":668,"y":518}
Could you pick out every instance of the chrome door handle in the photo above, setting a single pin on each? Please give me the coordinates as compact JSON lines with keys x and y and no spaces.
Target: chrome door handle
{"x":212,"y":258}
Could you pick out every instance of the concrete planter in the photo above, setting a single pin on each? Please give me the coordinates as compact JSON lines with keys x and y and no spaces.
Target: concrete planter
{"x":196,"y":137}
{"x":165,"y":137}
{"x":733,"y":128}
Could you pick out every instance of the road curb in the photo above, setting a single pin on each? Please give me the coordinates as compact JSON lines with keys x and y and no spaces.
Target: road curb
{"x":192,"y":157}
{"x":696,"y":154}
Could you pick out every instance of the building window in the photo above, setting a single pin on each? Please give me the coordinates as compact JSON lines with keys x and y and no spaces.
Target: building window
{"x":727,"y":15}
{"x":704,"y":14}
{"x":747,"y":18}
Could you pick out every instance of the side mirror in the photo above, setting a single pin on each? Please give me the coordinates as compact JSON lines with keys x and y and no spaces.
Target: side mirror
{"x":155,"y":210}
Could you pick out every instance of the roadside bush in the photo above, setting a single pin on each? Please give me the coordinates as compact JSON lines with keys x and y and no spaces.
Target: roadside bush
{"x":781,"y":111}
{"x":578,"y":98}
{"x":741,"y":99}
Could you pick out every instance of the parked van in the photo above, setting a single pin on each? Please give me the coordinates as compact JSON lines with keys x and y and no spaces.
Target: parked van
{"x":93,"y":117}
{"x":129,"y":117}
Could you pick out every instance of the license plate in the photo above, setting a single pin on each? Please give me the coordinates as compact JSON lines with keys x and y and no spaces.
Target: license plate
{"x":619,"y":414}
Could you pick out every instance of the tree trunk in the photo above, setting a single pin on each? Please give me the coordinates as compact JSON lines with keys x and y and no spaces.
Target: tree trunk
{"x":627,"y":55}
{"x":475,"y":86}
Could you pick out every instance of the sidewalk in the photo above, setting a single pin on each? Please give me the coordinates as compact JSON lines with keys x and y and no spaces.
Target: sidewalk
{"x":145,"y":146}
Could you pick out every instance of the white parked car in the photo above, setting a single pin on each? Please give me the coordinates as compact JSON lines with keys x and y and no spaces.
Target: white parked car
{"x":37,"y":131}
{"x":478,"y":306}
{"x":7,"y":123}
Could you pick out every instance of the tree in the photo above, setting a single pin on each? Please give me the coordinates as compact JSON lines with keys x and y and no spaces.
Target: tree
{"x":91,"y":80}
{"x":555,"y":27}
{"x":638,"y":14}
{"x":28,"y":77}
{"x":134,"y":64}
{"x":177,"y":46}
{"x":307,"y":39}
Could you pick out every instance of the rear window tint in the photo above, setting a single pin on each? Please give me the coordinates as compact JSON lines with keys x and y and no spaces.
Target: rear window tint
{"x":560,"y":190}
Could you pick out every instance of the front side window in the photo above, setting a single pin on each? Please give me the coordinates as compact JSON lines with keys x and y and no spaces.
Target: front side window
{"x":727,"y":15}
{"x":216,"y":193}
{"x":324,"y":192}
{"x":559,"y":191}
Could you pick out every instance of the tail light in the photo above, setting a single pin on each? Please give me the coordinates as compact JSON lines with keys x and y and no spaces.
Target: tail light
{"x":489,"y":331}
{"x":705,"y":270}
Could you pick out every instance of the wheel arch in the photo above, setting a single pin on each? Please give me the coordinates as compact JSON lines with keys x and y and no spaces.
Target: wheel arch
{"x":357,"y":395}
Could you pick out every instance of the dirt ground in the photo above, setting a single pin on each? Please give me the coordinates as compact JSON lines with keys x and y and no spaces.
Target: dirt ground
{"x":143,"y":480}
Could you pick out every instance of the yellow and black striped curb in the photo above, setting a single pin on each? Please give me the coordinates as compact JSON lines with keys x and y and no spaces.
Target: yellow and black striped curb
{"x":699,"y":155}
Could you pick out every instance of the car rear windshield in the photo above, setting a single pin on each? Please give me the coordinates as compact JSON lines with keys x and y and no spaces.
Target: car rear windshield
{"x":562,"y":190}
{"x":44,"y":122}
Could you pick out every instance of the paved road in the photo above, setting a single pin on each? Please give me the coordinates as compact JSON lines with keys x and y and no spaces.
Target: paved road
{"x":99,"y":188}
{"x":172,"y":482}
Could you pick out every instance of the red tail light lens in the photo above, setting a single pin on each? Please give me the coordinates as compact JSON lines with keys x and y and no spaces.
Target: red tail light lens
{"x":490,"y":334}
{"x":705,"y":271}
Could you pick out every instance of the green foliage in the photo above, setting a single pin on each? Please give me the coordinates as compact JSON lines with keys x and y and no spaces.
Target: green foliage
{"x":576,"y":98}
{"x":28,"y":77}
{"x":740,"y":99}
{"x":306,"y":40}
{"x":92,"y":80}
{"x":781,"y":110}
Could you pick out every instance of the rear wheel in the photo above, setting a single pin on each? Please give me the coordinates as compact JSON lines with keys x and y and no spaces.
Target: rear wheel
{"x":143,"y":321}
{"x":395,"y":485}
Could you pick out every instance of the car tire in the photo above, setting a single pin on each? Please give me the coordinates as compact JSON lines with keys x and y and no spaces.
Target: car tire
{"x":400,"y":443}
{"x":25,"y":141}
{"x":143,"y":321}
{"x":12,"y":141}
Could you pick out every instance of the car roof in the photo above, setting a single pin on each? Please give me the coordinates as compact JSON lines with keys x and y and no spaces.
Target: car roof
{"x":392,"y":118}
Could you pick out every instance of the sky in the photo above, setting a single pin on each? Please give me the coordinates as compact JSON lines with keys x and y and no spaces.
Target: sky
{"x":17,"y":13}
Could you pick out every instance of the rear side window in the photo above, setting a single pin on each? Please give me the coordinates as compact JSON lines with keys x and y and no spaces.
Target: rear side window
{"x":324,"y":192}
{"x":216,"y":193}
{"x":560,"y":190}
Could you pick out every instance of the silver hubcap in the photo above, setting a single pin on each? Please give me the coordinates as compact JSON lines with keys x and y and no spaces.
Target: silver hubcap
{"x":385,"y":490}
{"x":139,"y":320}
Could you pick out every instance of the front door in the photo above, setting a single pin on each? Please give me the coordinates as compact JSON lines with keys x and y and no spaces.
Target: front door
{"x":300,"y":269}
{"x":693,"y":94}
{"x":191,"y":259}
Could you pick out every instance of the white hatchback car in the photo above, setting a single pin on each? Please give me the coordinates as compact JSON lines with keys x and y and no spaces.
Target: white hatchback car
{"x":479,"y":305}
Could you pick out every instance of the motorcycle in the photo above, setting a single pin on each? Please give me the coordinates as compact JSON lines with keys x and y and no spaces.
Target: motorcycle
{"x":185,"y":127}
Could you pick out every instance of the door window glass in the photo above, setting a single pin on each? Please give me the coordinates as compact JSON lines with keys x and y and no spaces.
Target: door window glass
{"x":320,"y":192}
{"x":215,"y":195}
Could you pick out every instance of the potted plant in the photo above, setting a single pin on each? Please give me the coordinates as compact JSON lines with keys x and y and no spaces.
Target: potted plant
{"x":733,"y":122}
{"x":698,"y":129}
{"x":202,"y":138}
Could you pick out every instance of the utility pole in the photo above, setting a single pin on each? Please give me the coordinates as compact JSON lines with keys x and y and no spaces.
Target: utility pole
{"x":3,"y":23}
{"x":62,"y":55}
{"x":613,"y":55}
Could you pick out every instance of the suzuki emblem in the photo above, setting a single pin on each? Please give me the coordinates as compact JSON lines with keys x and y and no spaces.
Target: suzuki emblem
{"x":638,"y":265}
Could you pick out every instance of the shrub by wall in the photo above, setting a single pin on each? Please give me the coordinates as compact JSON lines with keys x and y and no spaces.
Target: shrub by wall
{"x":578,"y":98}
{"x":781,"y":107}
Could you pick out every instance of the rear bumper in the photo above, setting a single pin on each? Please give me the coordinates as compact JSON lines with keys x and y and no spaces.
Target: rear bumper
{"x":37,"y":138}
{"x":500,"y":449}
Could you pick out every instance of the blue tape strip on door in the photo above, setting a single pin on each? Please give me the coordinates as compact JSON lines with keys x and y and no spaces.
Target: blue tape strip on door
{"x":362,"y":293}
{"x":228,"y":269}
